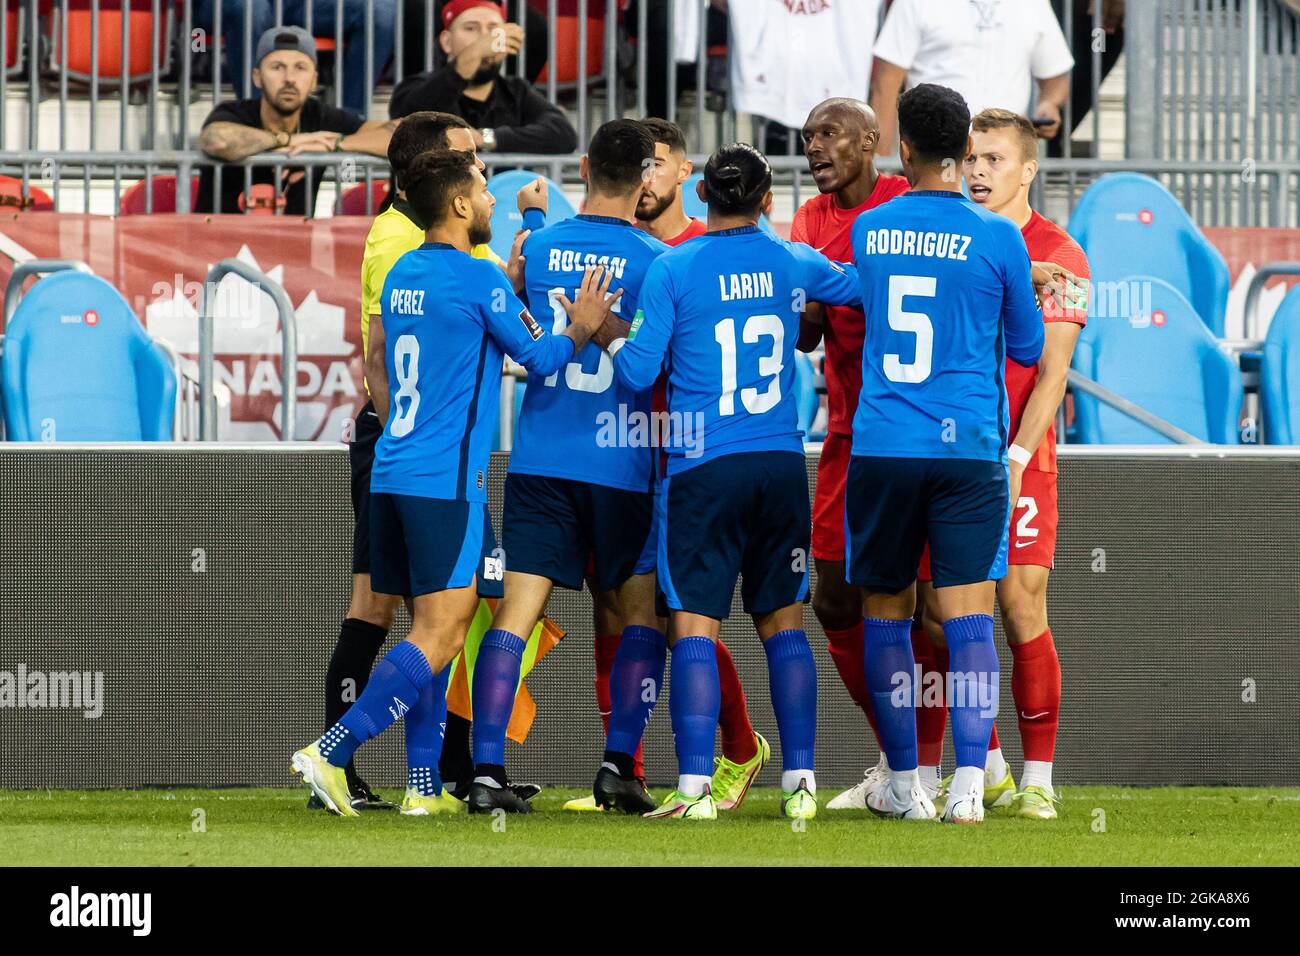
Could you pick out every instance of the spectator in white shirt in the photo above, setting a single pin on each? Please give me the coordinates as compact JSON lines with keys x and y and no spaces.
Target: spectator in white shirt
{"x":990,"y":51}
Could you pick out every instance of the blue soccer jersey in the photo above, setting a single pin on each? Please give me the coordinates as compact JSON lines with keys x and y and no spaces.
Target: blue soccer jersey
{"x":572,"y":420}
{"x":947,"y":295}
{"x":448,"y":321}
{"x":724,"y":310}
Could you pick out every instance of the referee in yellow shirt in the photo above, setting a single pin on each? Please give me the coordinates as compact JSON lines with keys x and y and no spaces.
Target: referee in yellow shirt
{"x":393,"y":233}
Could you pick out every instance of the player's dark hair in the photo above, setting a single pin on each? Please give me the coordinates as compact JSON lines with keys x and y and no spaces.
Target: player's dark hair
{"x":934,"y":121}
{"x":988,"y":120}
{"x":434,"y":179}
{"x":670,"y":134}
{"x":736,"y":178}
{"x":419,"y":133}
{"x":619,"y":155}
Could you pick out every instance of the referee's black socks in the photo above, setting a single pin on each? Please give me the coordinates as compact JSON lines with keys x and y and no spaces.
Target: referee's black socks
{"x":350,"y":664}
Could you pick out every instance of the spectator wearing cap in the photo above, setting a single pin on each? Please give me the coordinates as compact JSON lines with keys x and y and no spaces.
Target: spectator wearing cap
{"x":324,"y":23}
{"x":505,"y":112}
{"x":286,"y":118}
{"x":992,"y":52}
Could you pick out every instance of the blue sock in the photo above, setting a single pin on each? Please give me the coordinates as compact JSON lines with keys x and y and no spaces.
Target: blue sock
{"x":889,"y":653}
{"x":694,"y":703}
{"x":642,"y":652}
{"x":496,"y":678}
{"x":393,"y":689}
{"x":425,"y":724}
{"x":973,"y":694}
{"x":792,"y":677}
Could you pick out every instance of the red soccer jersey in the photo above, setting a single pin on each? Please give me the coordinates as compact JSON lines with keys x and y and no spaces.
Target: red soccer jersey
{"x":1048,"y":242}
{"x":696,"y":228}
{"x":822,"y":224}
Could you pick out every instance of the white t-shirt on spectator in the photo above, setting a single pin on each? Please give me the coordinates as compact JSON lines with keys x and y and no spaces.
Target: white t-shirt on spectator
{"x":789,"y":55}
{"x":986,"y":50}
{"x":686,"y":29}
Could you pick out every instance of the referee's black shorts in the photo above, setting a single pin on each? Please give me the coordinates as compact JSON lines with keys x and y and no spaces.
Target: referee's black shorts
{"x":361,"y":456}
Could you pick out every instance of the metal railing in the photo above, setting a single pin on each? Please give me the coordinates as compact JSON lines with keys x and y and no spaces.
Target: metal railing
{"x":157,"y":104}
{"x":1121,"y":404}
{"x":288,"y":347}
{"x":34,"y":267}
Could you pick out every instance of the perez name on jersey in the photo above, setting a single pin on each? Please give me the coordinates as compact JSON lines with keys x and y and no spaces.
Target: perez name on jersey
{"x":406,"y":301}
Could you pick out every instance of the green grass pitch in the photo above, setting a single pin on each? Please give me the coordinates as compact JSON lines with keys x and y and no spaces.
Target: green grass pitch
{"x":1098,"y":825}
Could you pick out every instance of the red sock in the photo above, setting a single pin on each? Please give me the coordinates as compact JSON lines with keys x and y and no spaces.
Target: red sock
{"x":605,"y":649}
{"x":930,"y":718}
{"x":1036,"y":687}
{"x":848,"y":653}
{"x":738,"y":744}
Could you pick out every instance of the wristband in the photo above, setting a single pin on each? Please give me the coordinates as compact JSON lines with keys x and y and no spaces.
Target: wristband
{"x":615,"y":346}
{"x":1019,"y":455}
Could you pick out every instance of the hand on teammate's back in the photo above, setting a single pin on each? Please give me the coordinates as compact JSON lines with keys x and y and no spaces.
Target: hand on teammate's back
{"x":593,"y":304}
{"x":515,"y":266}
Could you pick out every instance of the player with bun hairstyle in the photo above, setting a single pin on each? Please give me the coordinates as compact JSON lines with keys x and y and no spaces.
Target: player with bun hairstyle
{"x":722,"y":313}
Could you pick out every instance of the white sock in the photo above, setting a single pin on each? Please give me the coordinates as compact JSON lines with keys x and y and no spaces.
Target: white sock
{"x":929,"y":777}
{"x":488,"y":782}
{"x":692,"y":784}
{"x":883,"y":763}
{"x":902,"y":782}
{"x":995,"y":766}
{"x":790,"y":780}
{"x":1038,"y":773}
{"x":966,"y":779}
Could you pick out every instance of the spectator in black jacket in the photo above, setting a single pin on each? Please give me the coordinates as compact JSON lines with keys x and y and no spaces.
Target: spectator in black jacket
{"x":507,"y":114}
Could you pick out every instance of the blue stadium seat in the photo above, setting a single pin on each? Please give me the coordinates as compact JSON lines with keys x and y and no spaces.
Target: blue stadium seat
{"x":506,"y":219}
{"x":1167,"y":363}
{"x":79,"y":366}
{"x":1279,"y":381}
{"x":694,"y":205}
{"x":805,"y":391}
{"x":1126,"y":220}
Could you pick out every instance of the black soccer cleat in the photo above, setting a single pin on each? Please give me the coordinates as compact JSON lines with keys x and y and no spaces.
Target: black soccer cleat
{"x":485,"y":799}
{"x":525,"y":791}
{"x":626,"y":794}
{"x":363,"y":798}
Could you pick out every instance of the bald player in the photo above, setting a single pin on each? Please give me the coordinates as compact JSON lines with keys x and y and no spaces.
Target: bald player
{"x":839,"y":141}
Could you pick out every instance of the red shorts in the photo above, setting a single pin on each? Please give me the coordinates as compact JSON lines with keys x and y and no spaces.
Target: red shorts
{"x":1032,"y":539}
{"x":828,"y":500}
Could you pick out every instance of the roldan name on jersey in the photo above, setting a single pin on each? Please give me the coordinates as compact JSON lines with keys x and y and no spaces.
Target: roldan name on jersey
{"x":745,"y":285}
{"x":572,"y":260}
{"x":406,"y":301}
{"x":909,"y":242}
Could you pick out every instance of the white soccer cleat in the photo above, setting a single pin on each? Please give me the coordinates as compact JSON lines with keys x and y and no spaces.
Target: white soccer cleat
{"x":855,"y":798}
{"x":966,"y":808}
{"x":884,"y":802}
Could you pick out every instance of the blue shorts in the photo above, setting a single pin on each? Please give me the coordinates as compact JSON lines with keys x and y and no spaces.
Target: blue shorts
{"x":892,"y":505}
{"x":551,"y":526}
{"x":743,"y":514}
{"x":422,"y":545}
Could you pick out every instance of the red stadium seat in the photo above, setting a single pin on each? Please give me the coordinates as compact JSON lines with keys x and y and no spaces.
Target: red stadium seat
{"x":15,"y":37}
{"x":261,"y":200}
{"x":353,"y":200}
{"x":11,"y":196}
{"x":133,"y":202}
{"x":566,"y":51}
{"x":140,"y":27}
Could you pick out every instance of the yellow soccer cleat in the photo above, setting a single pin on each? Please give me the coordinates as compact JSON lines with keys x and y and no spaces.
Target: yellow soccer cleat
{"x":999,"y":795}
{"x":678,"y":806}
{"x":416,"y":804}
{"x":1035,"y":803}
{"x":328,"y":782}
{"x":799,"y":805}
{"x":731,"y":781}
{"x":585,"y":804}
